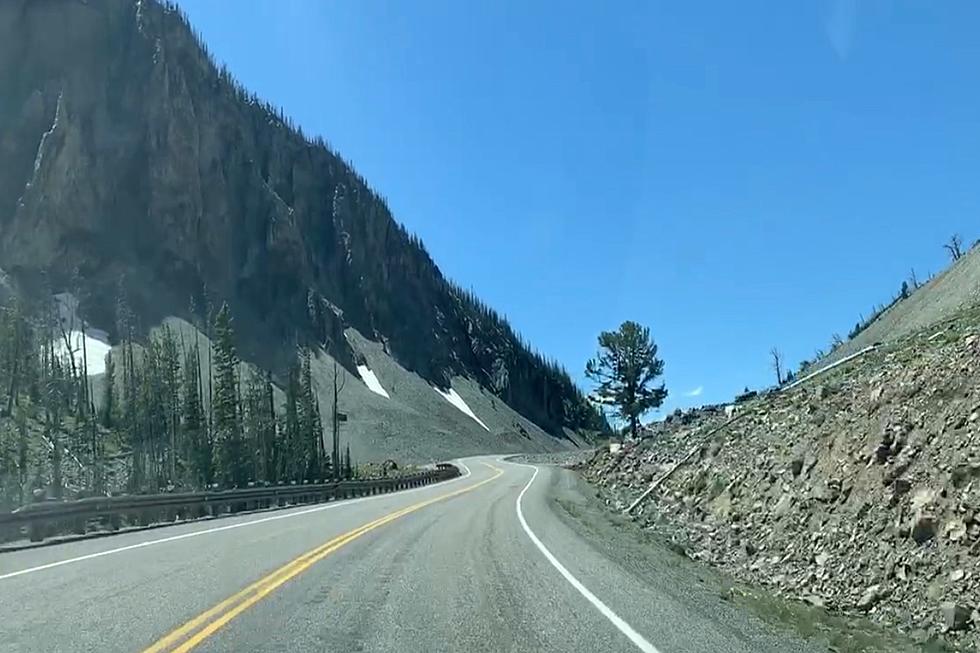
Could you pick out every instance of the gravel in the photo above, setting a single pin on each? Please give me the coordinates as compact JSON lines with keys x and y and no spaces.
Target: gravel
{"x":560,"y":459}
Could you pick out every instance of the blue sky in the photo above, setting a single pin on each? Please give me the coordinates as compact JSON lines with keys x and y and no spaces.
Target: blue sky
{"x":735,"y":175}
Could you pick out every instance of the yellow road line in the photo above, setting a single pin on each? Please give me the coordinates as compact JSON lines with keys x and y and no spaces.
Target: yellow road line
{"x":207,"y":623}
{"x":197,"y":621}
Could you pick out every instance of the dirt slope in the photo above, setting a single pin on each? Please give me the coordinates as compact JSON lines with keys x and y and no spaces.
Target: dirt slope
{"x":955,"y":289}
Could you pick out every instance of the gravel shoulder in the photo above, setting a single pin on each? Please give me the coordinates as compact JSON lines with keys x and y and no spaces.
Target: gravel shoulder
{"x":763,"y":621}
{"x":559,"y":458}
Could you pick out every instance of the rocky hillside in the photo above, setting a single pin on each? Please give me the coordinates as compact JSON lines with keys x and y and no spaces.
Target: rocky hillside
{"x":858,"y":491}
{"x":132,"y":167}
{"x":953,"y":290}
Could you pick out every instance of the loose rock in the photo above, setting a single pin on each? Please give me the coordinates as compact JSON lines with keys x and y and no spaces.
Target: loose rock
{"x":956,"y":616}
{"x":870,"y":597}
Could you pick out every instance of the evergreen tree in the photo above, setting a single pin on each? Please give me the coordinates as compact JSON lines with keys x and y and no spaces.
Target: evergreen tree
{"x":169,"y":398}
{"x":230,"y":451}
{"x":624,"y":369}
{"x":271,"y":445}
{"x":310,"y":427}
{"x":16,"y":357}
{"x":197,"y":443}
{"x":260,"y":427}
{"x":293,"y":459}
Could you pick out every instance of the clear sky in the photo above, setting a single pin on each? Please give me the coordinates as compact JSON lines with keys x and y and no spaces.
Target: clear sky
{"x":735,"y":175}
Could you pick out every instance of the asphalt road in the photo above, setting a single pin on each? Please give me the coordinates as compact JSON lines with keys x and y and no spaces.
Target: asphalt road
{"x":494,"y":561}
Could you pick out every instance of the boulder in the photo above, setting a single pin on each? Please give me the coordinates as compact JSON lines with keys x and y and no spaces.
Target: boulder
{"x":796,"y":466}
{"x":956,"y":616}
{"x":923,"y":528}
{"x":872,"y":595}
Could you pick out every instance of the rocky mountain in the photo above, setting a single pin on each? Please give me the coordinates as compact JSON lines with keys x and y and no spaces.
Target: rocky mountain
{"x":131,"y":166}
{"x":858,"y":491}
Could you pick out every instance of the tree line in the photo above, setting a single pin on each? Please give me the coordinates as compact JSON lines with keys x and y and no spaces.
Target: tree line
{"x":171,"y":413}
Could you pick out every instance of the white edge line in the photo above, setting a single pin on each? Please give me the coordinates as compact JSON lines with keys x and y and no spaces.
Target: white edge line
{"x":638,"y":640}
{"x":218,"y":529}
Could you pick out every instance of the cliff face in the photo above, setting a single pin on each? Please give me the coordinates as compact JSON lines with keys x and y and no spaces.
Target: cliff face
{"x":131,"y":166}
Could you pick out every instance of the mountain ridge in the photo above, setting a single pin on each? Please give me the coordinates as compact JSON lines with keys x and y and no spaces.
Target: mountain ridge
{"x":138,"y":162}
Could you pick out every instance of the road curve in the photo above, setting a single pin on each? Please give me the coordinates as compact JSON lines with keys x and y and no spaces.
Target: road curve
{"x":491,"y":561}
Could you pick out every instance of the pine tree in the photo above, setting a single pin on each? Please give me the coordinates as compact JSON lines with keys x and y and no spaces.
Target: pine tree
{"x":14,"y":354}
{"x":271,"y":444}
{"x":230,"y":458}
{"x":260,"y":426}
{"x":624,"y":369}
{"x":251,"y":425}
{"x":198,"y":452}
{"x":130,"y":427}
{"x":318,"y":445}
{"x":293,"y":459}
{"x":169,"y":398}
{"x":309,"y":419}
{"x":152,"y":415}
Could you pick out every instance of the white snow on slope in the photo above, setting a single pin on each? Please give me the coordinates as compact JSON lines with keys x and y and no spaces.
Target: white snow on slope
{"x":95,"y":351}
{"x":371,"y":381}
{"x":457,"y":401}
{"x":96,"y":341}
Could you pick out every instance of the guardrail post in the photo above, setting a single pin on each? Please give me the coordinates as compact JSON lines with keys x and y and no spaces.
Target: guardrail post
{"x":35,"y":530}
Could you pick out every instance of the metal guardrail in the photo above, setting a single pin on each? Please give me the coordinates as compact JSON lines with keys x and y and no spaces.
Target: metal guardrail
{"x":827,"y":368}
{"x":49,"y":518}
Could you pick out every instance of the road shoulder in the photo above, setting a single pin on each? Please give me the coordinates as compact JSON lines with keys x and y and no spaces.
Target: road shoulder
{"x":751,"y":614}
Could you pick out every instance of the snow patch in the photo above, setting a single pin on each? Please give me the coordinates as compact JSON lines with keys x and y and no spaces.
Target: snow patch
{"x":457,"y":401}
{"x":39,"y":157}
{"x":95,"y":340}
{"x":95,"y":351}
{"x":371,"y":381}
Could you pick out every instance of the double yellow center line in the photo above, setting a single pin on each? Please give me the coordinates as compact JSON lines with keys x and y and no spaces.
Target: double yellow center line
{"x":198,"y":629}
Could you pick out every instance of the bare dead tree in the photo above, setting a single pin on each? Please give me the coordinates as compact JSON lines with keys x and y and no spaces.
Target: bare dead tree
{"x":339,"y":381}
{"x":777,"y":364}
{"x":66,"y":333}
{"x":17,"y":336}
{"x":954,"y":247}
{"x":913,"y":280}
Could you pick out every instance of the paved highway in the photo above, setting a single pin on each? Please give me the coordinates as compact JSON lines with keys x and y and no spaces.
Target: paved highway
{"x":494,"y":561}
